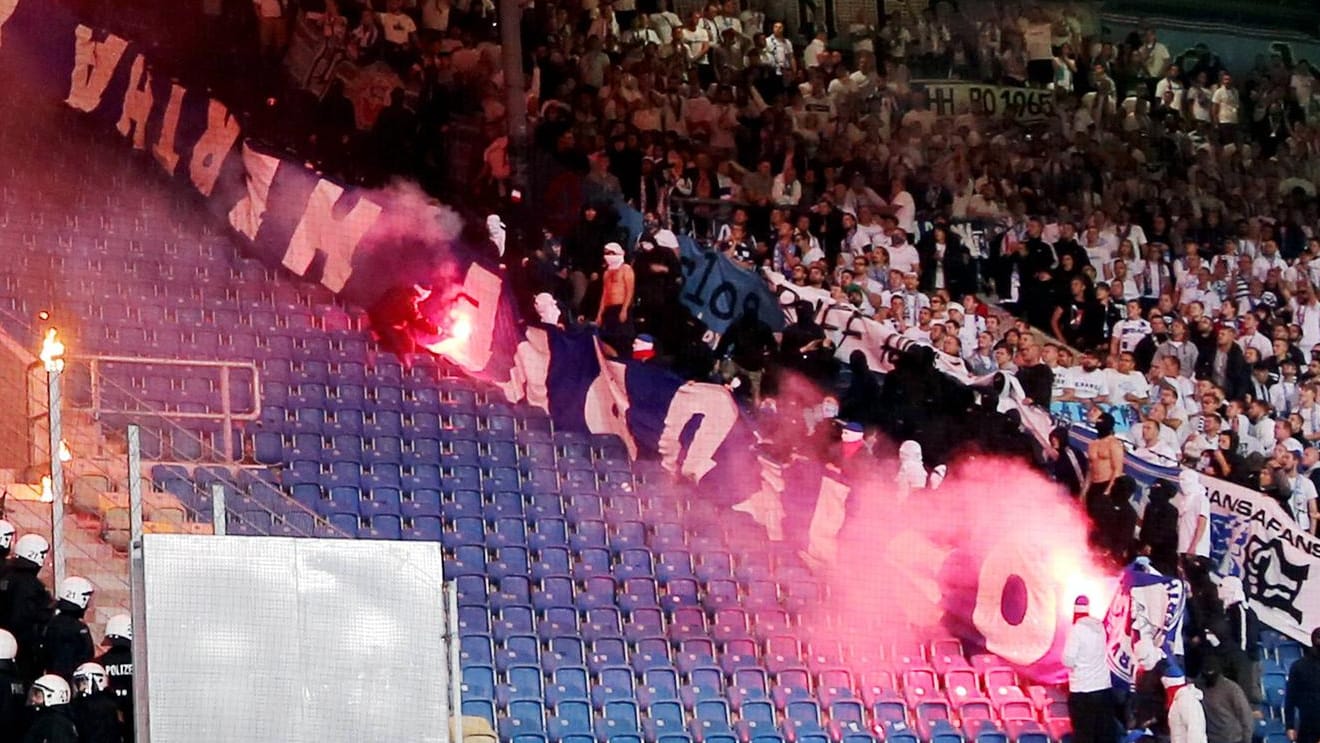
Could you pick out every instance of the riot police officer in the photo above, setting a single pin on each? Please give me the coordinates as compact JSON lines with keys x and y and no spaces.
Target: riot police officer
{"x":118,"y":663}
{"x":13,"y":716}
{"x":51,"y":720}
{"x":67,"y":641}
{"x":6,"y":538}
{"x":94,"y":709}
{"x":25,"y":602}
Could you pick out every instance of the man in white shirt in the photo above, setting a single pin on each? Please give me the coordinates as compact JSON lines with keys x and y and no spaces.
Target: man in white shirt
{"x":1155,"y":56}
{"x":1268,"y":259}
{"x":1193,"y":518}
{"x":1088,"y":385}
{"x":1301,"y":491}
{"x":1169,"y":91}
{"x":779,"y":52}
{"x":1126,"y":384}
{"x":397,"y":27}
{"x":1128,"y":332}
{"x":1251,"y":337}
{"x":903,"y":255}
{"x":904,"y":206}
{"x":1090,"y":694}
{"x":1225,"y":107}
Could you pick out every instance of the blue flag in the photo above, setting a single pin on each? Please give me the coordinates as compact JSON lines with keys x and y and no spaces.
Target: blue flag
{"x":718,"y":291}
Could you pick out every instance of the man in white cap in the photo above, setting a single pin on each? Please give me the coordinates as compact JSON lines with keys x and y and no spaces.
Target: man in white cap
{"x":1186,"y":715}
{"x":616,"y":298}
{"x":1090,"y":693}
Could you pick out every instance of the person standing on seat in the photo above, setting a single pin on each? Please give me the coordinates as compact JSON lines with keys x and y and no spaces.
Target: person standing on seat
{"x":1301,"y":700}
{"x":25,"y":602}
{"x":118,"y":664}
{"x":51,"y":718}
{"x":1090,"y":693}
{"x":67,"y":642}
{"x":94,"y":709}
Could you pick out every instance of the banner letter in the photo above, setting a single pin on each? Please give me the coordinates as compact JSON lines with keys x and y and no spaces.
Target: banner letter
{"x":164,"y":149}
{"x":137,"y":104}
{"x":337,"y":237}
{"x":208,"y":154}
{"x":94,"y":64}
{"x":248,"y":213}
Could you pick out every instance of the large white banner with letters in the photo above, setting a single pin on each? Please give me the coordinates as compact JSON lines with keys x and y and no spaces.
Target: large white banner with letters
{"x":954,"y":97}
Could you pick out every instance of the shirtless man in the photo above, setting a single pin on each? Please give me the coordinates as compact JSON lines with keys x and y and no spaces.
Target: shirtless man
{"x":1106,"y":457}
{"x":616,"y":297}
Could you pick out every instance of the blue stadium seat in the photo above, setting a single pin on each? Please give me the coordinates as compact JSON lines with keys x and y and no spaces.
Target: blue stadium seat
{"x":567,"y":683}
{"x":612,"y":684}
{"x":618,"y":718}
{"x":509,"y":560}
{"x":644,"y":623}
{"x":756,"y":718}
{"x":558,"y":621}
{"x":572,"y":717}
{"x":478,"y":681}
{"x":551,"y":561}
{"x":650,"y":653}
{"x":523,"y":716}
{"x":658,"y":685}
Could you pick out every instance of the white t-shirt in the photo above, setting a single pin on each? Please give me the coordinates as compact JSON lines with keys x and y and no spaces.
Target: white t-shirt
{"x":1062,"y":379}
{"x":1190,"y":509}
{"x":904,"y":257}
{"x":1170,"y":86}
{"x":397,"y":27}
{"x":905,"y":211}
{"x":1130,"y":333}
{"x":1200,"y":103}
{"x":1300,"y":499}
{"x":1121,"y":385}
{"x":1088,"y":385}
{"x":1227,"y":98}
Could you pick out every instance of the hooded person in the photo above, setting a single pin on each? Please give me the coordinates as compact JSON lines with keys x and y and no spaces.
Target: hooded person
{"x":912,"y":473}
{"x":1229,"y":717}
{"x":861,"y":401}
{"x":1193,"y":524}
{"x":498,"y":231}
{"x":1158,"y":539}
{"x":1186,"y":715}
{"x":547,"y":309}
{"x":618,"y":289}
{"x":1240,"y":647}
{"x":1301,"y":699}
{"x":1114,"y":521}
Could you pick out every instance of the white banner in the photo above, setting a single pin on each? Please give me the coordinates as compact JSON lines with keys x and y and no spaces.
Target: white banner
{"x":953,"y":97}
{"x":1255,"y":538}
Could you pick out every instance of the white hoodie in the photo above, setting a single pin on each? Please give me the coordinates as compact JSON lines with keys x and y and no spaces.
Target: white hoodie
{"x":1187,"y":716}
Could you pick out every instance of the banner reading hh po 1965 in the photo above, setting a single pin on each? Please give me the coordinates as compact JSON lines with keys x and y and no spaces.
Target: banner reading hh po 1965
{"x":953,"y":97}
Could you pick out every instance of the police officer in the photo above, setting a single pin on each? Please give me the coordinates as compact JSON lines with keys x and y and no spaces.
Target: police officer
{"x":118,"y":663}
{"x":51,"y":720}
{"x":94,"y":709}
{"x":6,"y":538}
{"x":12,"y":714}
{"x":25,"y":602}
{"x":67,"y":641}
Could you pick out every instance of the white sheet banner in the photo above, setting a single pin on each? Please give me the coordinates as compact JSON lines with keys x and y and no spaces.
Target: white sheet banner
{"x":1256,"y":538}
{"x":952,"y":97}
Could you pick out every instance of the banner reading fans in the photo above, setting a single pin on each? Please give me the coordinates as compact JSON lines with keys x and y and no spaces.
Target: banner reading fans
{"x":952,"y":98}
{"x":1252,"y":537}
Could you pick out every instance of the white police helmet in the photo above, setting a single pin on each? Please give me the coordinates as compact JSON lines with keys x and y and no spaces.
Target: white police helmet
{"x":121,"y":626}
{"x":89,"y":678}
{"x":8,"y":646}
{"x":6,"y":535}
{"x":33,"y":548}
{"x":77,"y":591}
{"x":49,"y":691}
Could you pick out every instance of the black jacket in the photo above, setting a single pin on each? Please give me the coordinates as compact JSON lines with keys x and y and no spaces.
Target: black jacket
{"x":97,"y":718}
{"x":1301,"y":707}
{"x":24,"y":611}
{"x":958,"y":264}
{"x":1159,"y":528}
{"x":67,"y":643}
{"x":1038,"y":383}
{"x":13,"y":700}
{"x":118,"y":663}
{"x":1237,"y":372}
{"x":52,"y":725}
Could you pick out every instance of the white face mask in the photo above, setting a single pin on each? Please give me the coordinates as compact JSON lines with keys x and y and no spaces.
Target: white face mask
{"x":613,"y":261}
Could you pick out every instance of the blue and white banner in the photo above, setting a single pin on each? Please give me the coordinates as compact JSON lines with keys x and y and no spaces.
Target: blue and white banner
{"x":718,"y":291}
{"x":1253,"y":537}
{"x":1148,"y":606}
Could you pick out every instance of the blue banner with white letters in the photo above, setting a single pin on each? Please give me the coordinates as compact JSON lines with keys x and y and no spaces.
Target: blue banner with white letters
{"x":718,"y":291}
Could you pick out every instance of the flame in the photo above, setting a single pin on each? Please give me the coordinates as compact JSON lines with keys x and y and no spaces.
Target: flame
{"x":47,"y":495}
{"x":52,"y":351}
{"x":65,"y":454}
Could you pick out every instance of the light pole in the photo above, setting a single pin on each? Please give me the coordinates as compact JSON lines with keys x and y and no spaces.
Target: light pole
{"x":52,"y":357}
